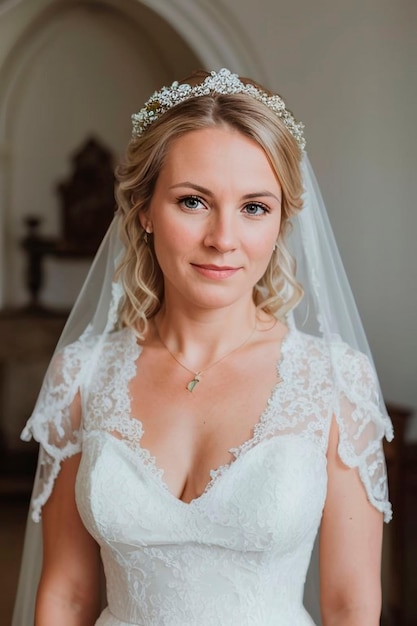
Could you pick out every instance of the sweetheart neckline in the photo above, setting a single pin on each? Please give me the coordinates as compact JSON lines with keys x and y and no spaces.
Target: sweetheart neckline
{"x":237,"y":451}
{"x":156,"y":474}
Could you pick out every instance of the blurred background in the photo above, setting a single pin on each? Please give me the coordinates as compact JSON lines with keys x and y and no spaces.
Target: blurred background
{"x":71,"y":74}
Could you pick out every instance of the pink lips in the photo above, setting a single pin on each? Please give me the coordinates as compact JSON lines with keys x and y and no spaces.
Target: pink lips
{"x":217,"y":272}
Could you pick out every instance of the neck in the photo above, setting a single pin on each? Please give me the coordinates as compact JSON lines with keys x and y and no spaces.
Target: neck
{"x":200,"y":337}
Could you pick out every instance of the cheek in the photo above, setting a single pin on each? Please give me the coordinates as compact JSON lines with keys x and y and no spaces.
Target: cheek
{"x":263,"y":246}
{"x":177,"y":231}
{"x":171,"y":243}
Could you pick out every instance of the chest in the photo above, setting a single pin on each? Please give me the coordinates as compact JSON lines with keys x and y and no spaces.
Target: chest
{"x":270,"y":498}
{"x":190,"y":436}
{"x":191,"y":433}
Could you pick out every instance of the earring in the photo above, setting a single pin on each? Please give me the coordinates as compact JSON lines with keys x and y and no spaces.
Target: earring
{"x":275,"y":248}
{"x":147,"y":231}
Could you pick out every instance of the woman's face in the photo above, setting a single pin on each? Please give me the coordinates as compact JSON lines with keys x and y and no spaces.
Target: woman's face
{"x":215,"y":216}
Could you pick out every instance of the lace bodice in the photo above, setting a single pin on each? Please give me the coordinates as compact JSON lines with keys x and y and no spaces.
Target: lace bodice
{"x":239,"y":553}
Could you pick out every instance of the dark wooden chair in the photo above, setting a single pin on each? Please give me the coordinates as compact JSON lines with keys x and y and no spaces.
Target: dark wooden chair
{"x":395,"y":583}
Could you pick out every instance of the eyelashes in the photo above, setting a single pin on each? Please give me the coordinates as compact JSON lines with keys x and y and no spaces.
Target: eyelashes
{"x":253,"y":208}
{"x":194,"y":203}
{"x":191,"y":203}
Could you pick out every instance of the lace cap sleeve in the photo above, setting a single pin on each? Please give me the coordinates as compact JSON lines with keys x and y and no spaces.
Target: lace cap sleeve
{"x":362,"y":424}
{"x":56,"y":420}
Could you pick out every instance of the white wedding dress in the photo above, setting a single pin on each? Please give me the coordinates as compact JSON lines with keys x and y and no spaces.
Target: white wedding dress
{"x":238,"y":554}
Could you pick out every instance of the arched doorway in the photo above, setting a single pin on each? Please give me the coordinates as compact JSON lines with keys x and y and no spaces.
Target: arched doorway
{"x":85,"y":67}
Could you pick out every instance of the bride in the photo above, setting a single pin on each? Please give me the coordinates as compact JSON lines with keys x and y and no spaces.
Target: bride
{"x":210,"y":406}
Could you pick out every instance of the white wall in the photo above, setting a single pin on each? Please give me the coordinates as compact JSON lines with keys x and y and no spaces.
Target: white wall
{"x":347,"y":70}
{"x":86,"y":70}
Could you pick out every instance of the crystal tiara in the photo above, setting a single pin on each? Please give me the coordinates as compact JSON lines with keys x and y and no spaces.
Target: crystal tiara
{"x":221,"y":82}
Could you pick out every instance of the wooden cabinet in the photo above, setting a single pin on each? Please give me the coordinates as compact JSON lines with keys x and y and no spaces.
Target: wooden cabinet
{"x":27,"y":342}
{"x":395,"y":569}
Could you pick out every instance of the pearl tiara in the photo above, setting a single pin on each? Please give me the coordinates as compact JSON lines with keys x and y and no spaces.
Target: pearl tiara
{"x":221,"y":82}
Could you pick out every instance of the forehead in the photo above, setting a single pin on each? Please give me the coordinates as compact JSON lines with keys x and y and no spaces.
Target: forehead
{"x":218,"y":154}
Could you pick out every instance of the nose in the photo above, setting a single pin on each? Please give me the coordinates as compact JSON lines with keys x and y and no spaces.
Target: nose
{"x":222,"y":232}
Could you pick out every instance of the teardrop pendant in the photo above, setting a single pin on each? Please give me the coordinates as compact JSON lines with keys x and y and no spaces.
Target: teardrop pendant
{"x":192,"y":384}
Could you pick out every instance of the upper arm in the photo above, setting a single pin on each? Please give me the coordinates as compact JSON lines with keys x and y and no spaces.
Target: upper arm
{"x":56,"y":421}
{"x":357,"y":495}
{"x":69,"y":582}
{"x":362,"y":424}
{"x":69,"y":585}
{"x":350,"y":544}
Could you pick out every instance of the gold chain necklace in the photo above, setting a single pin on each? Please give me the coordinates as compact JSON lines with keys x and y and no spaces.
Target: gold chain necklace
{"x":197,"y":375}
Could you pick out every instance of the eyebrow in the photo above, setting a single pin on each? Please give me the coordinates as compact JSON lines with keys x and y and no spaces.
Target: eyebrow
{"x":249,"y":196}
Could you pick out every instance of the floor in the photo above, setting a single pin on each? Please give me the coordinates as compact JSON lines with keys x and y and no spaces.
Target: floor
{"x":12,"y":524}
{"x":410,"y":592}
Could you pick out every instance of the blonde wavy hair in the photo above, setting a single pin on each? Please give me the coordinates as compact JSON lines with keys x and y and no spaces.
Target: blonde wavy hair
{"x":278,"y":291}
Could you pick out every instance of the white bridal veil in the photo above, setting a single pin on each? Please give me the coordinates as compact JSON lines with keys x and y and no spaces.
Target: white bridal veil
{"x":328,"y":310}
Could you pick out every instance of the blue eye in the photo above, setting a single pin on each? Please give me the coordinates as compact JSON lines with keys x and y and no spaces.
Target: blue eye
{"x":190,"y":202}
{"x":255,"y":208}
